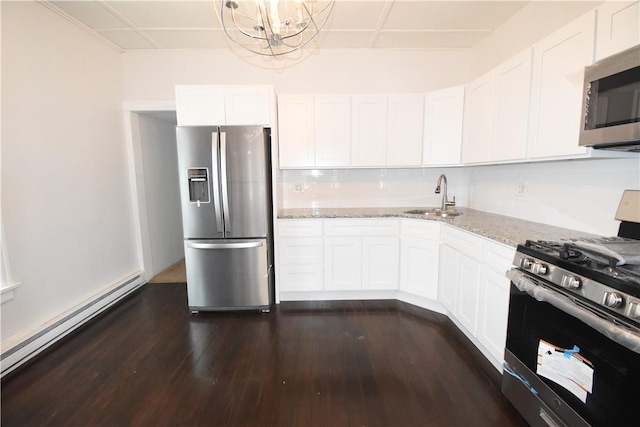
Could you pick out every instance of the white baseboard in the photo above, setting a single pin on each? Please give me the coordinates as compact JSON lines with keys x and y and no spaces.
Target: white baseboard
{"x":335,"y":295}
{"x":362,"y":295}
{"x":422,"y":302}
{"x":26,"y":347}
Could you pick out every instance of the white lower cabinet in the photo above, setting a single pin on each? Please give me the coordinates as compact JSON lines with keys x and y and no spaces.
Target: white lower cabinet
{"x":474,"y":289}
{"x":419,"y":253}
{"x":494,"y":298}
{"x":338,"y":255}
{"x":468,"y":292}
{"x":300,"y":255}
{"x":448,"y":278}
{"x":343,"y":263}
{"x":494,"y":303}
{"x":361,"y":254}
{"x":380,"y":258}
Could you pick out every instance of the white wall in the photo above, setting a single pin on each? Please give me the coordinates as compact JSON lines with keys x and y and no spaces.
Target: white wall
{"x":66,"y":194}
{"x":153,"y":75}
{"x":529,"y":25}
{"x":161,"y":189}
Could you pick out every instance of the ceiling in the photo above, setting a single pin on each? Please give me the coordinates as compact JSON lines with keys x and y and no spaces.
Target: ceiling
{"x":188,"y":24}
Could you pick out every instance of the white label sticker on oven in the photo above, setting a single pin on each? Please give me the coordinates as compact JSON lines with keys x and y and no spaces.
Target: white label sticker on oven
{"x":567,"y":368}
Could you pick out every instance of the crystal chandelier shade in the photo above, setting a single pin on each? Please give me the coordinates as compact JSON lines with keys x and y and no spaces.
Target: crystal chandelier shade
{"x":273,"y":27}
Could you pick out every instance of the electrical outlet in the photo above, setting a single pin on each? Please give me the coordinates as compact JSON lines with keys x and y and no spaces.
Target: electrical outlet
{"x":298,"y":188}
{"x":521,"y":189}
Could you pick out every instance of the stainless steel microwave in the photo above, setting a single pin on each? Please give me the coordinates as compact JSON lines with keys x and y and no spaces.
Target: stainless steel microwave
{"x":611,"y":103}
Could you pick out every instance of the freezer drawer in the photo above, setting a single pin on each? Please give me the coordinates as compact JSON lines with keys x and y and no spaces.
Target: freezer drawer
{"x":231,"y":274}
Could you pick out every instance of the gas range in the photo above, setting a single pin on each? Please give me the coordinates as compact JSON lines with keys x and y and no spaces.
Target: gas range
{"x":603,"y":272}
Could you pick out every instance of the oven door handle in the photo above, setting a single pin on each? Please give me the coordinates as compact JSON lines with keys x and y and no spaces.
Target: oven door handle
{"x":617,"y":333}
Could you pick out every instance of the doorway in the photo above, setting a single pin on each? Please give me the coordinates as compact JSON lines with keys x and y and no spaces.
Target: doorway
{"x":158,"y":194}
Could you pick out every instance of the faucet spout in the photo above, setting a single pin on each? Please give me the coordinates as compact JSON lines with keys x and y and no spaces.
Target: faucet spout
{"x":445,"y":202}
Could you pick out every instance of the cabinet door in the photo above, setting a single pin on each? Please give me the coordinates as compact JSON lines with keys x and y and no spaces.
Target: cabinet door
{"x":448,"y":278}
{"x":512,"y":96}
{"x":443,"y":113}
{"x":369,"y":130}
{"x":342,"y":263}
{"x":618,"y":27}
{"x":248,"y":105}
{"x":332,"y":130}
{"x":419,"y":267}
{"x":296,"y":137}
{"x":494,"y":303}
{"x":468,"y":292}
{"x":404,"y":136}
{"x":200,"y":105}
{"x":380,"y":263}
{"x":478,"y":120}
{"x":556,"y":97}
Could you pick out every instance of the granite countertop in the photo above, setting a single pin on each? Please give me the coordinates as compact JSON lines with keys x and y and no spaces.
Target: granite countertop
{"x":504,"y":229}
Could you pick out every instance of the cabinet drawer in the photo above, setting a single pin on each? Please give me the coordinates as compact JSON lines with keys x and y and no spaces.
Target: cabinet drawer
{"x":361,"y":227}
{"x":305,"y":277}
{"x":496,"y":256}
{"x":463,"y":242}
{"x":300,"y":227}
{"x":420,"y":229}
{"x":300,"y":250}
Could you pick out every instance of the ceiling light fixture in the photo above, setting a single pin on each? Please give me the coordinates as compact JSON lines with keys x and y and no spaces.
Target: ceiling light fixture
{"x":273,"y":27}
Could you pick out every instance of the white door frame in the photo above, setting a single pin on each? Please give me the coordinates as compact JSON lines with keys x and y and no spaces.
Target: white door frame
{"x":132,"y":109}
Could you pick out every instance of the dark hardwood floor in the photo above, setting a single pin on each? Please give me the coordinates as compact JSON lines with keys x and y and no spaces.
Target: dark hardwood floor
{"x":148,"y":361}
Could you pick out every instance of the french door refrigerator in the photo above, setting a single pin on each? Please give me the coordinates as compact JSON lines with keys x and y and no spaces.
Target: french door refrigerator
{"x":225,"y":187}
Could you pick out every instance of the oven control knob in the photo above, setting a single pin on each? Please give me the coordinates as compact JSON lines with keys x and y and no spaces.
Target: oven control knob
{"x":570,"y":282}
{"x":526,"y":263}
{"x":612,"y":299}
{"x":633,"y":310}
{"x":539,"y":268}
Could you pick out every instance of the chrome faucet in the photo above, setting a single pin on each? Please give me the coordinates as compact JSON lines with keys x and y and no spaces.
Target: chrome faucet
{"x":445,"y":203}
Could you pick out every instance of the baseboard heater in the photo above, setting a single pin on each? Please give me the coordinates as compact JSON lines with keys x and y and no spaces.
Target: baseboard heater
{"x":49,"y":334}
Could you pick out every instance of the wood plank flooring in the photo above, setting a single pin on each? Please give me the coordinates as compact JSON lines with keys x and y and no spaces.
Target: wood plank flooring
{"x":148,"y":361}
{"x":175,"y":273}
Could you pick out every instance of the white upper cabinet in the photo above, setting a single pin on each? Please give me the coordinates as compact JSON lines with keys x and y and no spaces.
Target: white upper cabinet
{"x":369,"y":130}
{"x":249,"y":105}
{"x":404,"y":132}
{"x":556,"y":98}
{"x":296,"y":135}
{"x":332,"y":130}
{"x":497,"y":113}
{"x":210,"y":105}
{"x":618,"y":27}
{"x":443,"y":114}
{"x":200,"y":105}
{"x":478,"y":120}
{"x":350,"y":130}
{"x":512,"y":93}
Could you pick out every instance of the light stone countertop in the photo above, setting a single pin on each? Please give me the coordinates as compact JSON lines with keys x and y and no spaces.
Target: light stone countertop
{"x":508,"y":230}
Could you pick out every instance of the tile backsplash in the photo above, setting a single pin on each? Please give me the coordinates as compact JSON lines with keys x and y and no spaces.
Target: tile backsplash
{"x":320,"y":188}
{"x":581,"y":195}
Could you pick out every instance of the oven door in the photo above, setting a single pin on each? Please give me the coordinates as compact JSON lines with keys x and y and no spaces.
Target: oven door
{"x":615,"y":368}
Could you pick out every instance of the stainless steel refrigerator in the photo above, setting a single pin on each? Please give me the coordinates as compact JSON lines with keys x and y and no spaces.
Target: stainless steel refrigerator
{"x":225,"y":187}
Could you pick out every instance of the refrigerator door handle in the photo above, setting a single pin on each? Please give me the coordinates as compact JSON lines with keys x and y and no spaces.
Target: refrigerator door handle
{"x":226,"y":245}
{"x":214,"y":176}
{"x":223,"y":177}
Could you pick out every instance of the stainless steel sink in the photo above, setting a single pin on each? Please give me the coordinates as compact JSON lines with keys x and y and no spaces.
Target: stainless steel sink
{"x":434,"y":212}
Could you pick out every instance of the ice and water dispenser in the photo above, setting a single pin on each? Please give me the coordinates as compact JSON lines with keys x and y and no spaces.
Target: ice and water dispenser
{"x":198,"y":185}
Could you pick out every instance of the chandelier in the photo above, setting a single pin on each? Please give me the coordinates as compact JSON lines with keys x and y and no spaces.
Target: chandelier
{"x":273,"y":27}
